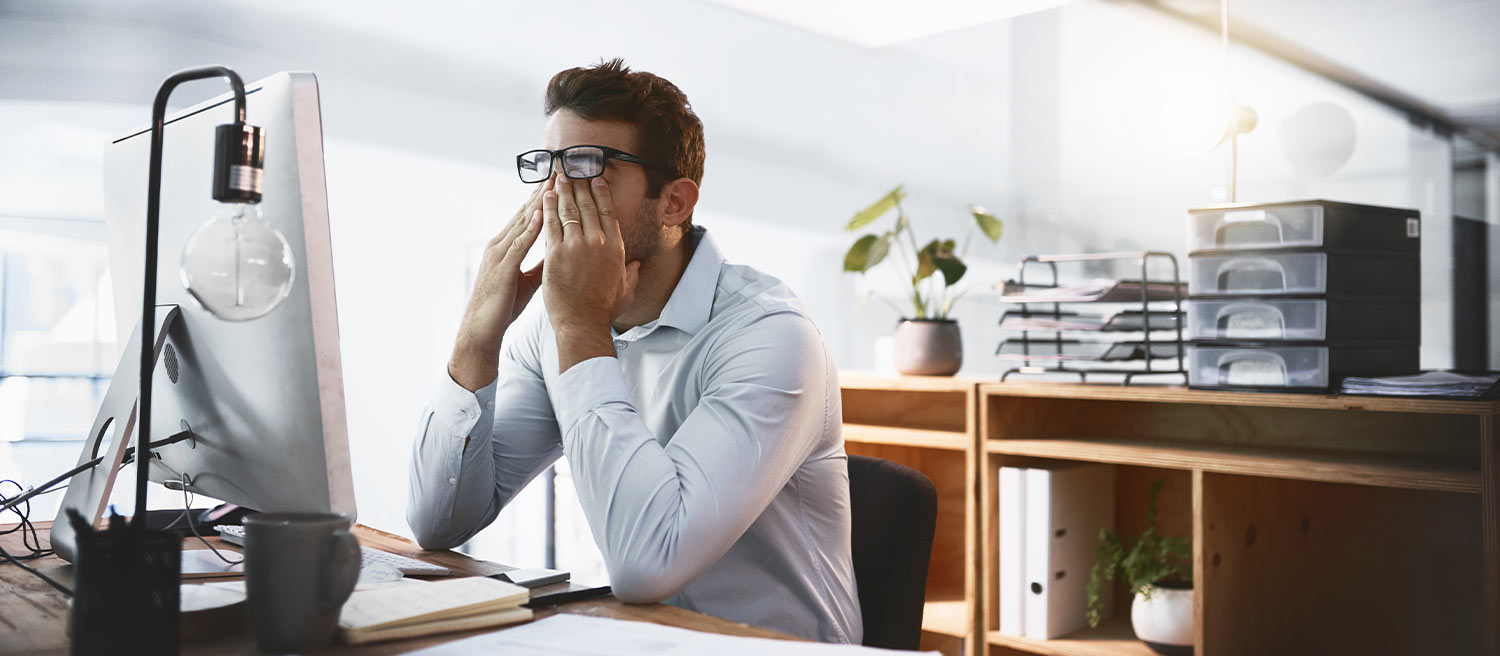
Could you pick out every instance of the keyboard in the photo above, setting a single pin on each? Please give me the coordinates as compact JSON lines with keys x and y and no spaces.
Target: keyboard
{"x":235,"y":534}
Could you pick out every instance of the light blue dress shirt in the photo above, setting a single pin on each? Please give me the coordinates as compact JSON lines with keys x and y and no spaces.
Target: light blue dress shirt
{"x":707,"y":454}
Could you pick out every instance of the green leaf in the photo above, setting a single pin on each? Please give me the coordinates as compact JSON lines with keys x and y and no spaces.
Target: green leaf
{"x":878,"y":251}
{"x":926,"y":262}
{"x":869,"y":214}
{"x":943,"y":259}
{"x":951,"y":266}
{"x":988,"y":224}
{"x":857,"y":260}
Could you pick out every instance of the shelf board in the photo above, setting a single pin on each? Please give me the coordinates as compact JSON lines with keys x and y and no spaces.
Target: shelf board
{"x":1113,"y":637}
{"x":870,"y":380}
{"x":918,"y":437}
{"x":1310,"y":465}
{"x":950,"y":617}
{"x":1178,"y":394}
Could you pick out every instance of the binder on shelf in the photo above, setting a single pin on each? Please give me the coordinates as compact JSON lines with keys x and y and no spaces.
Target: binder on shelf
{"x":1011,"y":586}
{"x":1066,"y":506}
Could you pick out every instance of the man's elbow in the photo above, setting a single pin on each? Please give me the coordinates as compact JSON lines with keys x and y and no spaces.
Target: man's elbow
{"x":645,"y":585}
{"x":424,"y":529}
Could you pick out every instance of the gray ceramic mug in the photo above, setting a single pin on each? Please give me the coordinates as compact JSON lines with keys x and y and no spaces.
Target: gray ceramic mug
{"x":299,"y":570}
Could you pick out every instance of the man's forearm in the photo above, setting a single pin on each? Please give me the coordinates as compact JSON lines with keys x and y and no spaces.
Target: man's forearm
{"x":474,"y":365}
{"x":576,"y":344}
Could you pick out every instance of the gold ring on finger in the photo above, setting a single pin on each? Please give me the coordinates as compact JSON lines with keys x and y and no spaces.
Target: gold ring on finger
{"x":565,"y":223}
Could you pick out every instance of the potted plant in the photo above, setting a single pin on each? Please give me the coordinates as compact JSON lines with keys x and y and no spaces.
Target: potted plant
{"x":1159,"y":573}
{"x":927,"y":341}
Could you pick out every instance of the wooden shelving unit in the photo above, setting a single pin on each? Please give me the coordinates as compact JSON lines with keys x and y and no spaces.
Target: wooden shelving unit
{"x":1113,"y":637}
{"x":929,"y":424}
{"x":1320,"y":523}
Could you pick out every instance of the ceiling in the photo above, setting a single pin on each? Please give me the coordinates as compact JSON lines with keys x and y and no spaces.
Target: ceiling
{"x":1436,"y":57}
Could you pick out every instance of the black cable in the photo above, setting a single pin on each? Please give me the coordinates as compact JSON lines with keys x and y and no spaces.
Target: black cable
{"x":187,"y":504}
{"x":26,"y":495}
{"x":23,"y":510}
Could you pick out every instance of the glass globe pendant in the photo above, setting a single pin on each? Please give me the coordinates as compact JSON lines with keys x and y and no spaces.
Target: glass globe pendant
{"x":237,"y":265}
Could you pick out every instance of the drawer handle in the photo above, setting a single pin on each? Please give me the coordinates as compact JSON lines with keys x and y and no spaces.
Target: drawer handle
{"x":1251,"y":320}
{"x":1252,"y":369}
{"x":1248,"y":228}
{"x":1252,"y":274}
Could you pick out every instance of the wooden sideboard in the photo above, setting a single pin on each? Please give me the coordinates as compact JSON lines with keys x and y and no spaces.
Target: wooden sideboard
{"x":1320,"y":523}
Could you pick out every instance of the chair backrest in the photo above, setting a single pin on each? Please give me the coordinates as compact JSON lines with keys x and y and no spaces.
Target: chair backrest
{"x":894,"y":511}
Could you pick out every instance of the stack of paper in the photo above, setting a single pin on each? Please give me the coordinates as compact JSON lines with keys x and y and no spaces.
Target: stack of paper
{"x":405,"y":611}
{"x":1431,"y":383}
{"x":1103,"y":290}
{"x":1050,"y":519}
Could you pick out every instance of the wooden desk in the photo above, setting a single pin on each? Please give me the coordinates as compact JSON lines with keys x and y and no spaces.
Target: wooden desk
{"x":33,"y":616}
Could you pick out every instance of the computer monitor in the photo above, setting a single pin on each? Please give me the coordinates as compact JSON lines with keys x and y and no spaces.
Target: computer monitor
{"x":263,"y":399}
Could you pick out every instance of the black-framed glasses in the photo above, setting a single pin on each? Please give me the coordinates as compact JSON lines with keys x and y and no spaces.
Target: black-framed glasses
{"x":578,"y":162}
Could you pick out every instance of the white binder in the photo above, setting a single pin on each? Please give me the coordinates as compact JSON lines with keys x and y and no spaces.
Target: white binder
{"x":1065,"y":507}
{"x":1012,"y":583}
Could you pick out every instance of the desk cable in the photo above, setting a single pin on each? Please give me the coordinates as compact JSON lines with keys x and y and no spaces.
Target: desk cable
{"x":187,"y":507}
{"x":29,"y":538}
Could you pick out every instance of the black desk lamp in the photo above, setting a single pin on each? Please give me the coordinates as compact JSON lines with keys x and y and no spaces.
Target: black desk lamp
{"x":238,"y":267}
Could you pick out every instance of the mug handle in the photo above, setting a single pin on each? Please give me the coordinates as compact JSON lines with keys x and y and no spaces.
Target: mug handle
{"x":341,"y":571}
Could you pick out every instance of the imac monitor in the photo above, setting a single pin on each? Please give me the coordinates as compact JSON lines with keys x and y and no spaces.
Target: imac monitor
{"x":263,"y":399}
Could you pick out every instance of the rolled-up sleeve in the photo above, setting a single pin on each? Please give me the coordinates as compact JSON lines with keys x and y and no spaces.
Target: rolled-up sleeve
{"x":455,"y":490}
{"x":662,"y":515}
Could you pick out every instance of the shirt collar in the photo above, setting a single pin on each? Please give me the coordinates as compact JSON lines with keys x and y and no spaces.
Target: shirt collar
{"x":692,"y":301}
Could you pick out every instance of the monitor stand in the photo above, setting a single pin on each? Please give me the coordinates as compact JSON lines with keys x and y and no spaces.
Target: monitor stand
{"x":113,"y":432}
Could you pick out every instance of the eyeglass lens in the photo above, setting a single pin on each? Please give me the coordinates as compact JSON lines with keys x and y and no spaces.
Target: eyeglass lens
{"x":578,"y":162}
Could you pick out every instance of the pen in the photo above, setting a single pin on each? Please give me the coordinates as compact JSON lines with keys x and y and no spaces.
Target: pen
{"x":557,"y":598}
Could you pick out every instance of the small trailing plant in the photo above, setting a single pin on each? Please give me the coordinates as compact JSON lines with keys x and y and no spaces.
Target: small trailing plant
{"x":1151,"y":559}
{"x":930,"y":297}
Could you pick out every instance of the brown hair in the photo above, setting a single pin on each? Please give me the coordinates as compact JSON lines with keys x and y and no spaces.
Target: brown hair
{"x":670,"y":134}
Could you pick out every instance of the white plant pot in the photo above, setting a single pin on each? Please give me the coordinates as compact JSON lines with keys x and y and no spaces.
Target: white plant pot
{"x":1165,"y":621}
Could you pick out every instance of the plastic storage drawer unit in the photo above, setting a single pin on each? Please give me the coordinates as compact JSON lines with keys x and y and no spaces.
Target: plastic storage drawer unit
{"x":1260,"y":273}
{"x":1321,"y":224}
{"x":1314,"y":368}
{"x":1302,"y":319}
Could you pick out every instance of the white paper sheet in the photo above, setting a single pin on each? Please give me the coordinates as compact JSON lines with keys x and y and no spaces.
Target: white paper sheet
{"x":577,"y":635}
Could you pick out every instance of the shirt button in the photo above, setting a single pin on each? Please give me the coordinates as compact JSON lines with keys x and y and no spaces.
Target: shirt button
{"x":621,"y":344}
{"x":490,"y":405}
{"x":453,"y":480}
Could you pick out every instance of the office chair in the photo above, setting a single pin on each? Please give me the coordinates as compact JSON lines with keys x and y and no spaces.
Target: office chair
{"x":894,"y":510}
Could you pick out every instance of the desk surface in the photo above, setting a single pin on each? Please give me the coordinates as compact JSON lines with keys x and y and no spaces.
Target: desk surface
{"x":33,"y":616}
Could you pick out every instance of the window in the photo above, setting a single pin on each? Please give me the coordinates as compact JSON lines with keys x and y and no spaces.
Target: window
{"x":57,"y":331}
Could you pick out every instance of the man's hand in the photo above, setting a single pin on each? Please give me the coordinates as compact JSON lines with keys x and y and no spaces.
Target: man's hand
{"x":501,"y":291}
{"x":588,"y":281}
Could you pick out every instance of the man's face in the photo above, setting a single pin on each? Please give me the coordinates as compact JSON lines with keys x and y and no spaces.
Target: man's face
{"x":640,"y":227}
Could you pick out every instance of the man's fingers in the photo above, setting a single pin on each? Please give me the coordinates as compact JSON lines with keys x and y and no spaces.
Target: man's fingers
{"x":550,"y":220}
{"x":589,"y":214}
{"x":605,"y":204}
{"x":521,"y":243}
{"x":567,"y":207}
{"x":523,"y":215}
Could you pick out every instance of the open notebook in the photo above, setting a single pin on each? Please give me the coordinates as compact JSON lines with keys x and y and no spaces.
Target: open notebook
{"x":419,"y":608}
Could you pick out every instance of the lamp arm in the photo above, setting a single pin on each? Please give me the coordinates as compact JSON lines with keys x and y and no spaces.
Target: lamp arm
{"x":148,"y":300}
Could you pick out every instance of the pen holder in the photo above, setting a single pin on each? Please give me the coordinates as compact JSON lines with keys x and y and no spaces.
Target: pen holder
{"x":125,"y":594}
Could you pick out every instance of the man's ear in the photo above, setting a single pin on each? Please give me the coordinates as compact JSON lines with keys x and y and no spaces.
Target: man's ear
{"x":678,"y":198}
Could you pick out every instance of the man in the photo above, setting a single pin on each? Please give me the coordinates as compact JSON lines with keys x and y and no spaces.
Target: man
{"x":696,"y":402}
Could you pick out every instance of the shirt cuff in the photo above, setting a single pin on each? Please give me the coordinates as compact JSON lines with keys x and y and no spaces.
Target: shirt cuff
{"x":585,"y":386}
{"x":459,"y":409}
